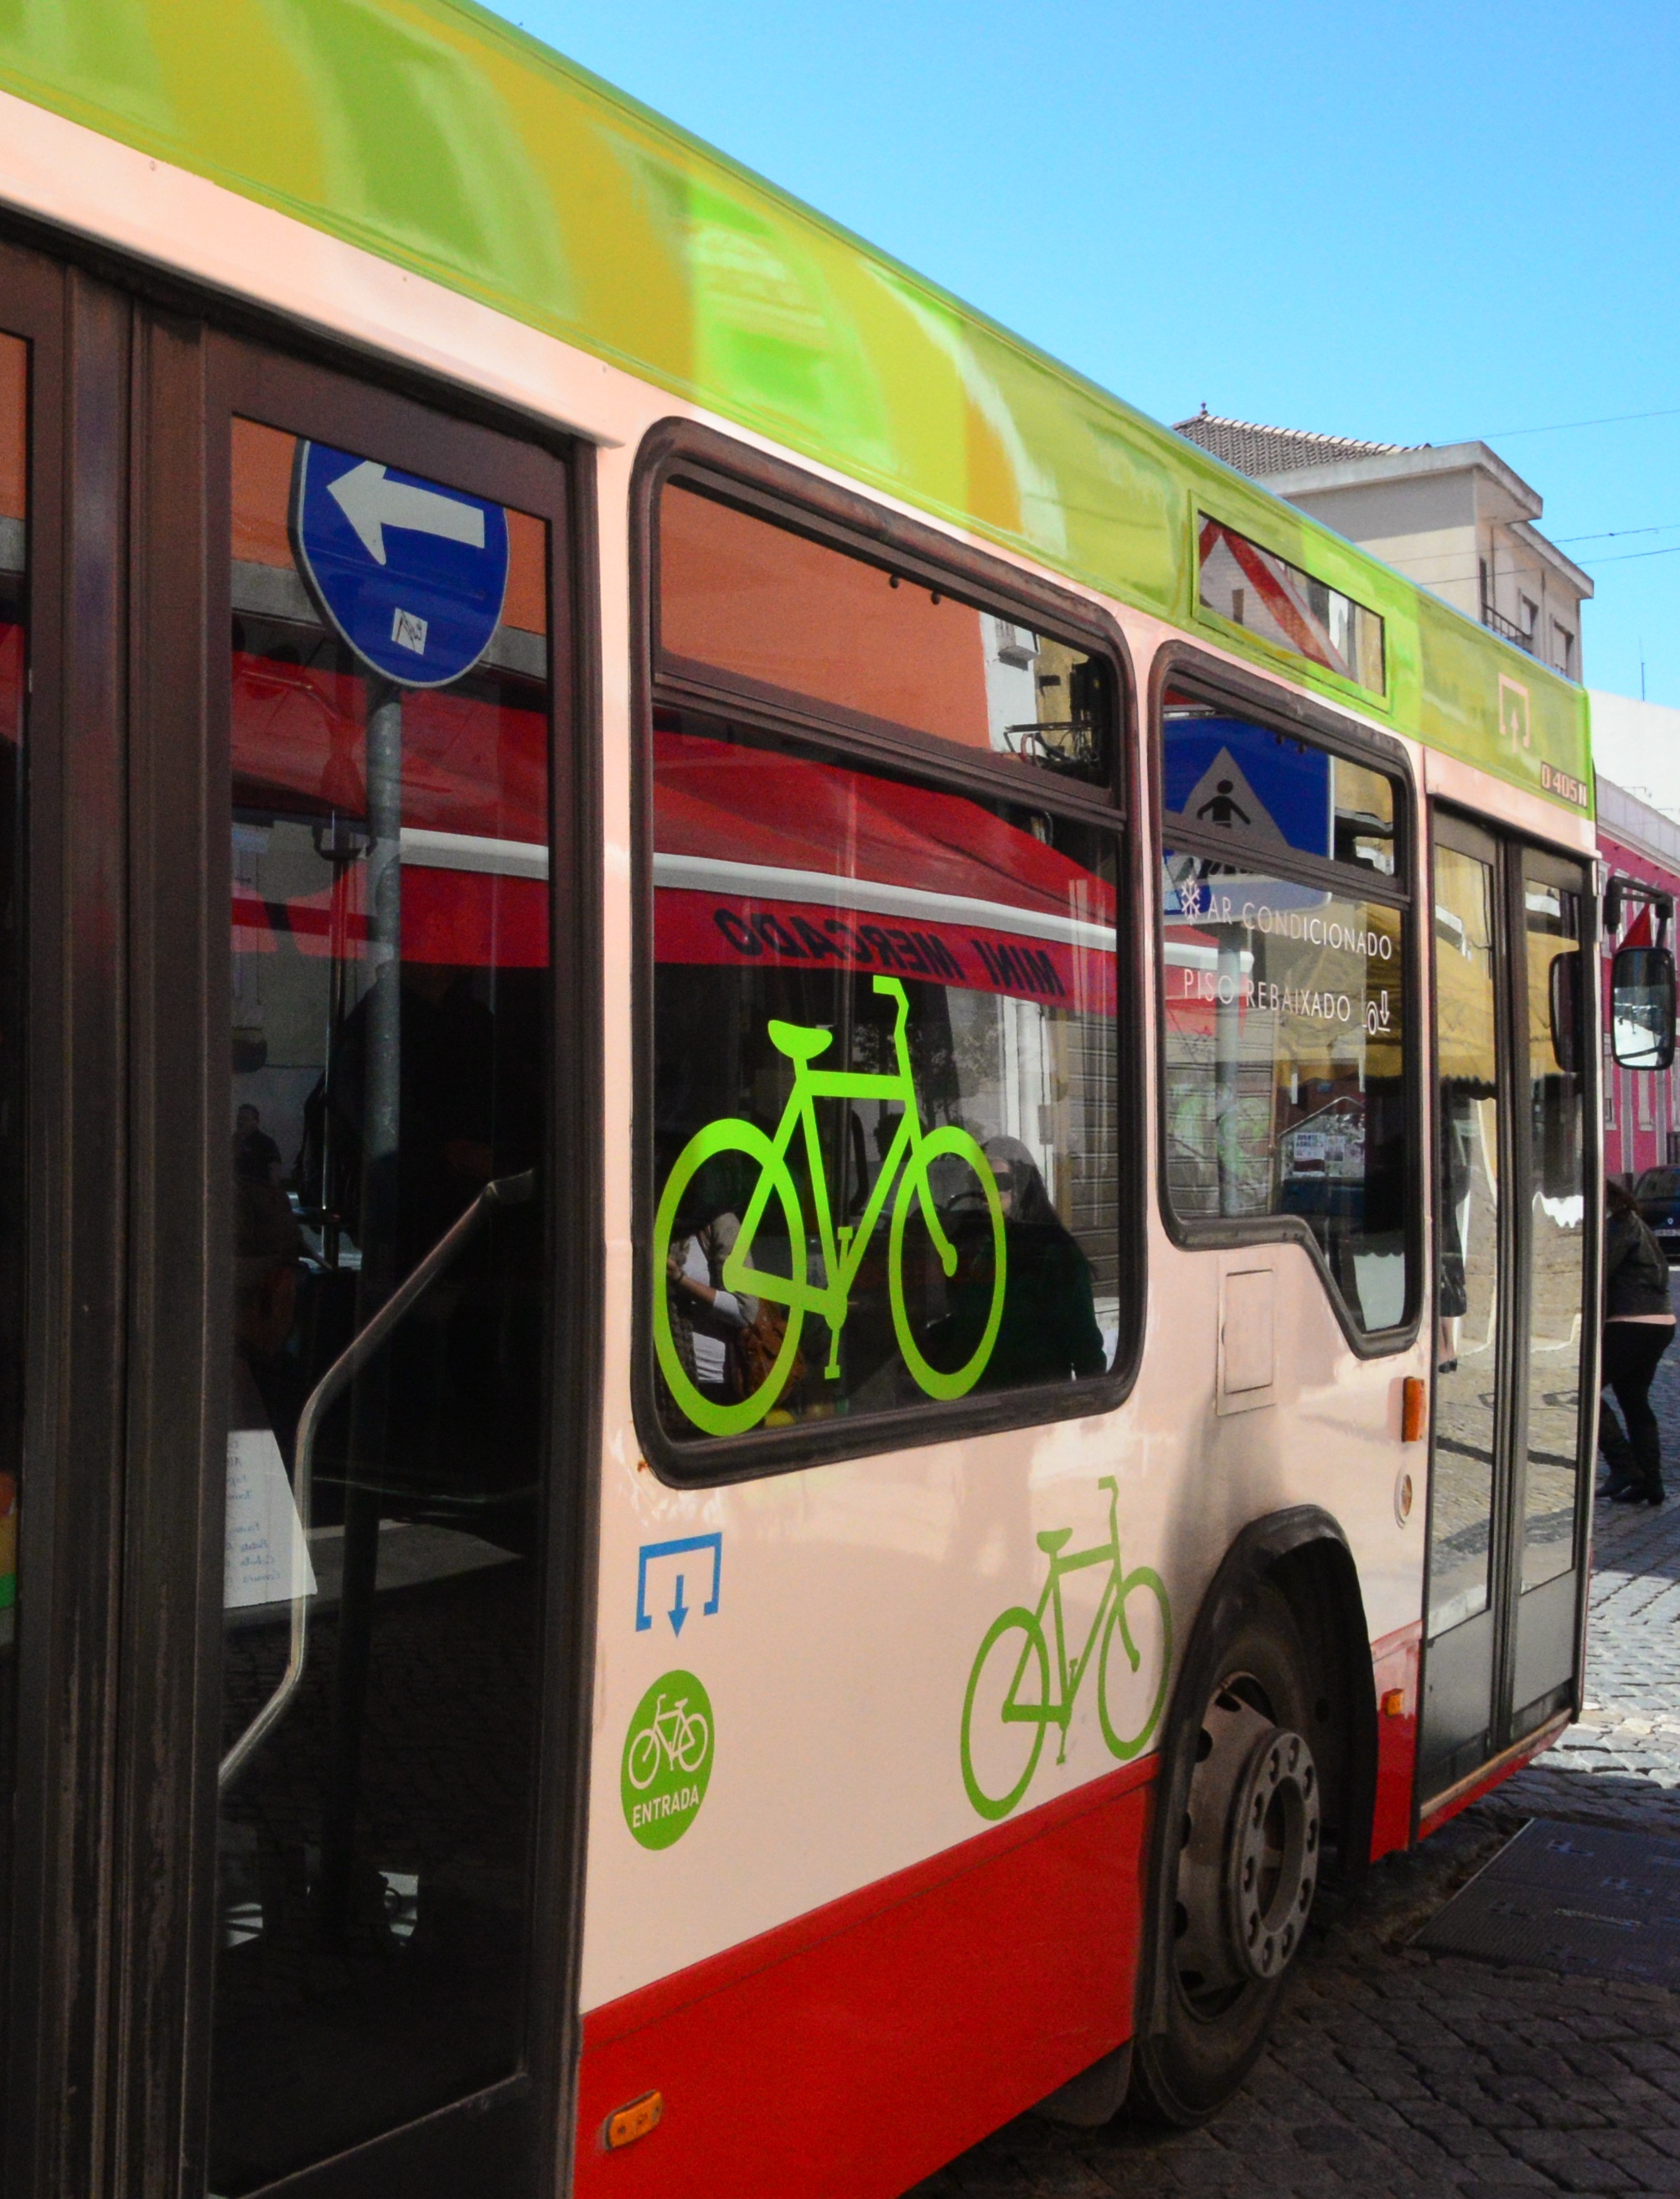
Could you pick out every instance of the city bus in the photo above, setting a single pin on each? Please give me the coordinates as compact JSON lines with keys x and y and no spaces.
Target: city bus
{"x":800,"y":1169}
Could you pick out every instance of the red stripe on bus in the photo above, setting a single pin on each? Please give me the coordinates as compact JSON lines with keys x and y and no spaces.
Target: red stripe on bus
{"x":848,"y":2053}
{"x":1394,"y":1670}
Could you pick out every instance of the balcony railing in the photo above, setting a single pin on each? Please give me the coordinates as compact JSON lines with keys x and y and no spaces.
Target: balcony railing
{"x":1508,"y":629}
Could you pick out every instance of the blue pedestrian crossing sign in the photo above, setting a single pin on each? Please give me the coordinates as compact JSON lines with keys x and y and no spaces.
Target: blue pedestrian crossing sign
{"x":1235,"y":776}
{"x":410,"y":574}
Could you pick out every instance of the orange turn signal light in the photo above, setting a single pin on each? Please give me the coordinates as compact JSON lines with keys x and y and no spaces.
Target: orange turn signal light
{"x":627,"y":2124}
{"x":1394,"y":1703}
{"x":1414,"y":1409}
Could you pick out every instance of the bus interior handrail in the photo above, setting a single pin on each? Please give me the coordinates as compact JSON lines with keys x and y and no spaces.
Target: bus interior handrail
{"x":502,"y":1191}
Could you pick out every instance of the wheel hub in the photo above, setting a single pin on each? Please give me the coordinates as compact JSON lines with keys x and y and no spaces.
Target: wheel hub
{"x":1248,"y":1858}
{"x":1273,"y":1852}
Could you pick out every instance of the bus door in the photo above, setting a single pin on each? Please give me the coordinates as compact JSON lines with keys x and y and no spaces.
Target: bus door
{"x":298,"y":1265}
{"x":1515,"y":1213}
{"x":395,"y":1125}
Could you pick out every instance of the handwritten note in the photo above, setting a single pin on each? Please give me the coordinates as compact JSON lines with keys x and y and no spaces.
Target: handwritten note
{"x":266,"y":1558}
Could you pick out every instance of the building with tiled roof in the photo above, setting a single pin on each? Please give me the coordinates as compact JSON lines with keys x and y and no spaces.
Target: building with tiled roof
{"x":1263,"y":453}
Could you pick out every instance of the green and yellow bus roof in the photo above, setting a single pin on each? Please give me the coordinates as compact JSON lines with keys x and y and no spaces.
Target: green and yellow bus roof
{"x":451,"y":144}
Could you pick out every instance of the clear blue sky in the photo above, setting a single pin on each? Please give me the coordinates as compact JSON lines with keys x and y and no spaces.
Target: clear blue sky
{"x":1413,"y":224}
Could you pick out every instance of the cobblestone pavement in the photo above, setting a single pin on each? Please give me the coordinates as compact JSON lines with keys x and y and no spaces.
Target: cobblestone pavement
{"x":1391,"y":2071}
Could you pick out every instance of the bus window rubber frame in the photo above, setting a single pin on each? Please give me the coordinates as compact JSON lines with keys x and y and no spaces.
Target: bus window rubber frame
{"x":1214,"y":680}
{"x":782,"y":494}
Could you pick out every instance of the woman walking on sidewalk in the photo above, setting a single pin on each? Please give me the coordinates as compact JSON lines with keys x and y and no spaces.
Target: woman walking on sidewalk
{"x":1639,"y":1328}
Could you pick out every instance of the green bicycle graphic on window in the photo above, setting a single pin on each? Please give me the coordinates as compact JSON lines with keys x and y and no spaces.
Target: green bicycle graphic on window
{"x":839,"y":1253}
{"x":1009,"y":1687}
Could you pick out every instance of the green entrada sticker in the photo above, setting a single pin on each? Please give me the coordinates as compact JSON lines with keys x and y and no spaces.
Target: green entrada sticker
{"x":667,"y":1759}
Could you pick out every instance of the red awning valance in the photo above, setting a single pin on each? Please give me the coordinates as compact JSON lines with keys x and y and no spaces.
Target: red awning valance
{"x":470,"y":764}
{"x":761,"y":857}
{"x":463,"y":918}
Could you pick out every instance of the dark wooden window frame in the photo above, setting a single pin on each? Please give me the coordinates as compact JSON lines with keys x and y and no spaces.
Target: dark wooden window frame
{"x":1181,"y":665}
{"x":785,"y":496}
{"x":59,"y":2062}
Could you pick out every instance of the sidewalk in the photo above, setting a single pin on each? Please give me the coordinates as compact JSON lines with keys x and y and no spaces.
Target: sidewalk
{"x":1627,"y":1743}
{"x":1392,"y":2071}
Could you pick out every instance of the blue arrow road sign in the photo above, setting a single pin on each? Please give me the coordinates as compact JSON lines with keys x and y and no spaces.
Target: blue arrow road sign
{"x":413,"y":574}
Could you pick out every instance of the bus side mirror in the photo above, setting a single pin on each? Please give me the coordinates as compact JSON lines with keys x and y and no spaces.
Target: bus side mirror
{"x":1642,"y":1006}
{"x":1565,"y":997}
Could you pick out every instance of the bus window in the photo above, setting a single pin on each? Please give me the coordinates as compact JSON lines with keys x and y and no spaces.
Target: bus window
{"x":762,"y":605}
{"x":387,"y":1105}
{"x":14,"y":690}
{"x":884,"y":1105}
{"x":1225,"y":773}
{"x":1283,"y":992}
{"x":1263,"y":593}
{"x":1467,"y":1014}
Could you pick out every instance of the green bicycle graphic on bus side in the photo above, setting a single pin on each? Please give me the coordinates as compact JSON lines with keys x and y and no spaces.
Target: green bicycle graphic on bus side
{"x":839,"y":1252}
{"x":1011,"y":1704}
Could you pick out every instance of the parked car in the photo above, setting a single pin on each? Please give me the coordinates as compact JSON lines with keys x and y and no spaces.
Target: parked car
{"x":1658,"y":1190}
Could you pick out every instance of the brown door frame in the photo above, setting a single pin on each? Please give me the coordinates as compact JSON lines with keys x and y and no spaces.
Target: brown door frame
{"x":57,"y":2064}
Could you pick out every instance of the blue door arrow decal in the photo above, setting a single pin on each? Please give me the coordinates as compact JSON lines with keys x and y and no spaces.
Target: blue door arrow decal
{"x":650,"y":1552}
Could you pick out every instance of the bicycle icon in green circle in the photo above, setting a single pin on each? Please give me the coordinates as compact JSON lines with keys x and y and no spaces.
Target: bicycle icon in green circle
{"x":1011,"y":1703}
{"x":838,"y":1253}
{"x":667,"y":1759}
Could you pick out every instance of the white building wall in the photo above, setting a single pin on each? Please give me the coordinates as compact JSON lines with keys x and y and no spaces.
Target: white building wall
{"x":1637,"y":744}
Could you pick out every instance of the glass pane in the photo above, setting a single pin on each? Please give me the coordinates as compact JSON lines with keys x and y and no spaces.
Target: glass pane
{"x":14,"y":703}
{"x":389,"y":1042}
{"x":884,"y":1089}
{"x":1257,"y":589}
{"x":1467,"y":1381}
{"x":1223,"y":773}
{"x":1557,"y":1250}
{"x":1641,"y":1013}
{"x":756,"y":602}
{"x":1285,"y":1067}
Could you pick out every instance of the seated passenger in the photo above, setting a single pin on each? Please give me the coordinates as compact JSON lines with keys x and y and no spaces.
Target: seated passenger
{"x":707,"y":1319}
{"x":1048,"y":1331}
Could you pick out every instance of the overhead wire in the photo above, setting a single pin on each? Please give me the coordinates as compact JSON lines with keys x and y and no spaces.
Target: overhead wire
{"x":1561,"y":427}
{"x":1613,"y":533}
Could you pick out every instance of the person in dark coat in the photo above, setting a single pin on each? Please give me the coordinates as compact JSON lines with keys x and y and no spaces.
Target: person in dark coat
{"x":1047,"y":1331}
{"x":1639,"y":1328}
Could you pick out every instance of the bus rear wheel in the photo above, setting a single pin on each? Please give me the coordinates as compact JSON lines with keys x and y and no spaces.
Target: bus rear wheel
{"x":1237,"y":1867}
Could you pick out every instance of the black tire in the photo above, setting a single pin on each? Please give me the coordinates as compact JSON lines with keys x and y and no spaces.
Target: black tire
{"x":1202,"y":2016}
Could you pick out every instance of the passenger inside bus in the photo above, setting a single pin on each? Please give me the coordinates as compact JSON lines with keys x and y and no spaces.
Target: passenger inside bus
{"x":1048,"y":1330}
{"x":707,"y":1319}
